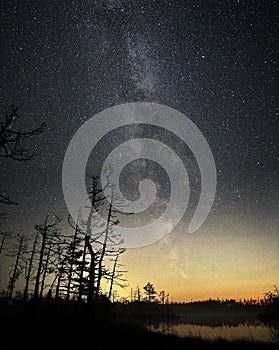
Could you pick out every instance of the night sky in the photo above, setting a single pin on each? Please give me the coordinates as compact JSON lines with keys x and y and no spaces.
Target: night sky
{"x":216,"y":62}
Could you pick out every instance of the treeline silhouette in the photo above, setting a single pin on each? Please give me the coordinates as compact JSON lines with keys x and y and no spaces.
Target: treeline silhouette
{"x":52,"y":263}
{"x":70,"y":265}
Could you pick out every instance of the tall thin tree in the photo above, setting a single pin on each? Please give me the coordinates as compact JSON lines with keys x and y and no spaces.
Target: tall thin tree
{"x":15,"y":271}
{"x":28,"y":275}
{"x":44,"y":229}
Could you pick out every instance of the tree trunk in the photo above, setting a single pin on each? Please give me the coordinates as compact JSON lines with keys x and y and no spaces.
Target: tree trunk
{"x":60,"y":273}
{"x":112,"y":277}
{"x":45,"y":272}
{"x":2,"y":241}
{"x":38,"y":276}
{"x":91,"y":286}
{"x":14,"y":276}
{"x":71,"y":264}
{"x":80,"y":287}
{"x":103,"y":252}
{"x":25,"y":295}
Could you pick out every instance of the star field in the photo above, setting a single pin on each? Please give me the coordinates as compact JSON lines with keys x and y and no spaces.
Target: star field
{"x":216,"y":62}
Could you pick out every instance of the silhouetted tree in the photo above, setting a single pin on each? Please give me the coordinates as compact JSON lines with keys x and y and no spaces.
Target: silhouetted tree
{"x":110,"y":246}
{"x":138,"y":293}
{"x":72,"y":268}
{"x":150,"y":292}
{"x":45,"y":270}
{"x":16,"y":272}
{"x":4,"y":236}
{"x":29,"y":269}
{"x":115,"y":276}
{"x":12,"y":142}
{"x":96,"y":240}
{"x":272,"y":297}
{"x":163,"y":296}
{"x":96,"y":197}
{"x":82,"y":267}
{"x":46,"y":229}
{"x":100,"y":241}
{"x":72,"y":259}
{"x":60,"y":271}
{"x":103,"y":250}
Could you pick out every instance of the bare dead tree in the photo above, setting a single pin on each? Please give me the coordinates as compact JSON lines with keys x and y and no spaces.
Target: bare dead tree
{"x":73,"y":279}
{"x":138,"y":294}
{"x":60,"y":273}
{"x":45,"y":229}
{"x":87,"y":284}
{"x":16,"y":272}
{"x":91,"y":279}
{"x":96,"y":242}
{"x":109,"y":243}
{"x":99,"y":238}
{"x":43,"y":232}
{"x":13,"y":140}
{"x":81,"y":273}
{"x":72,"y":257}
{"x":29,"y":270}
{"x":4,"y":236}
{"x":96,"y":197}
{"x":116,"y":274}
{"x":45,"y":270}
{"x":63,"y":263}
{"x":103,"y":250}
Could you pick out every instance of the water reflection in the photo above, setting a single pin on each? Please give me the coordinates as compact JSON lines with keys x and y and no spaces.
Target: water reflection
{"x":246,"y":331}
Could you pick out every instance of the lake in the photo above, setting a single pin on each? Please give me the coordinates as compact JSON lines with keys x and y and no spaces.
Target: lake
{"x":246,"y":331}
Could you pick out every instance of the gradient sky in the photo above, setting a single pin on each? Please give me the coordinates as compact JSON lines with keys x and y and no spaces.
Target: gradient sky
{"x":216,"y":62}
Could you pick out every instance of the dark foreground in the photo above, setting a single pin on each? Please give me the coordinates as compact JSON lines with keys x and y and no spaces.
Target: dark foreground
{"x":39,"y":327}
{"x":74,"y":335}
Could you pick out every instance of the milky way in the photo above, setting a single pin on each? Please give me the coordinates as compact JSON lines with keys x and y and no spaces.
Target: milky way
{"x":216,"y":63}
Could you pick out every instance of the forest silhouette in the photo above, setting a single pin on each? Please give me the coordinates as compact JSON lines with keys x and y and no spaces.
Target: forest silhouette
{"x":56,"y":296}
